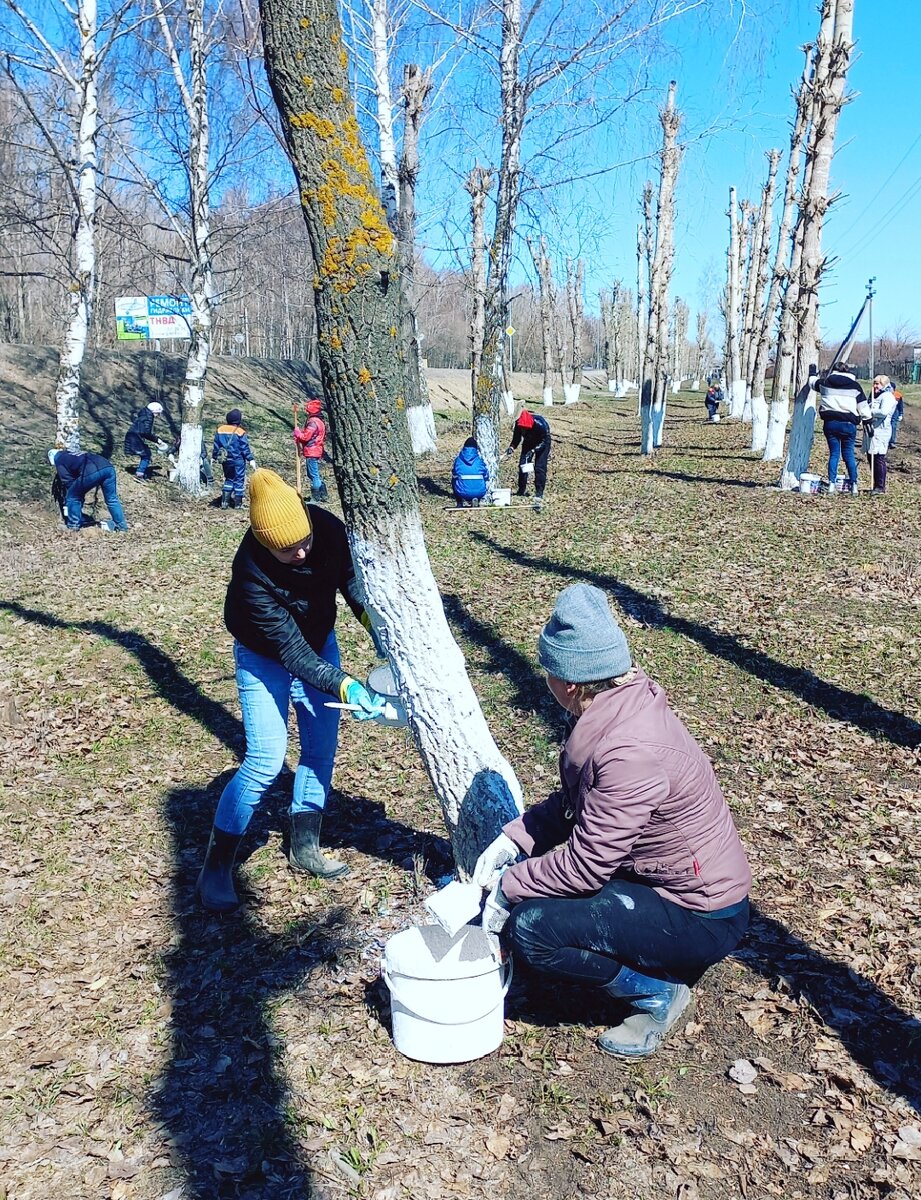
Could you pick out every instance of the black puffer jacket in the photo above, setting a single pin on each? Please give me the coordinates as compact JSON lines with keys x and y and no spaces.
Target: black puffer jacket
{"x":286,"y":612}
{"x":141,"y":431}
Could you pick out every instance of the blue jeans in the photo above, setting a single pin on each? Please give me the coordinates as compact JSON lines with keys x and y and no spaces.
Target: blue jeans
{"x":265,"y":690}
{"x":841,"y":437}
{"x":313,"y":471}
{"x":144,"y":463}
{"x":587,"y":939}
{"x":895,"y":427}
{"x":83,"y":485}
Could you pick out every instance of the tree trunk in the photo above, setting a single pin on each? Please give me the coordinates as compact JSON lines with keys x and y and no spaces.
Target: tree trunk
{"x":832,"y":60}
{"x":653,"y":395}
{"x":83,"y":281}
{"x":779,"y":408}
{"x":421,"y":419}
{"x":485,"y":400}
{"x":544,"y":269}
{"x":575,"y":283}
{"x":761,"y":325}
{"x":358,"y":306}
{"x":380,"y":69}
{"x":736,"y":385}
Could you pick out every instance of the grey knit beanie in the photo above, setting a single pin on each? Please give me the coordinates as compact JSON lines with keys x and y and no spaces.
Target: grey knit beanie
{"x":582,"y":642}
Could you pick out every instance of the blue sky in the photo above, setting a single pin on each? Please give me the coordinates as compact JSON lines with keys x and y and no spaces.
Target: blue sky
{"x":735,"y":62}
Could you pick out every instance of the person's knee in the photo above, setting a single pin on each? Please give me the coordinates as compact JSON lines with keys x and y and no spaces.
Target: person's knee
{"x":526,"y":933}
{"x":263,"y":764}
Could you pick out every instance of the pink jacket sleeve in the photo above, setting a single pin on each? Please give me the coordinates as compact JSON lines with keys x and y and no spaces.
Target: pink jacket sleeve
{"x":612,"y":810}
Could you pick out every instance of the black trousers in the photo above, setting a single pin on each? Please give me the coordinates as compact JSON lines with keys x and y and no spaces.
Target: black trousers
{"x":540,"y":458}
{"x":587,"y":939}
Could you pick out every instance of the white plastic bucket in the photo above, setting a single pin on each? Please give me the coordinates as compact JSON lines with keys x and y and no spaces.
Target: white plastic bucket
{"x":381,"y":681}
{"x":526,"y":468}
{"x":447,"y":994}
{"x":808,"y":483}
{"x":501,"y":497}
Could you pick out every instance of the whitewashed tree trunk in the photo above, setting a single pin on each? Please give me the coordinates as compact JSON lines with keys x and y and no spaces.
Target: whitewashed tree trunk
{"x":194,"y":95}
{"x":419,"y":414}
{"x":779,"y":412}
{"x":83,"y":183}
{"x":654,"y":386}
{"x":478,"y":185}
{"x":763,"y":313}
{"x":736,"y":385}
{"x":364,"y":383}
{"x":575,"y":284}
{"x":833,"y":58}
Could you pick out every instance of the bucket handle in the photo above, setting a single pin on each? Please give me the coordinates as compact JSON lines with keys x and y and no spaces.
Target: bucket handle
{"x":505,"y":967}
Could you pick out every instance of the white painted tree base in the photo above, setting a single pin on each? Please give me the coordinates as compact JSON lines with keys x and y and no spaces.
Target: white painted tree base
{"x":476,"y":785}
{"x":737,"y":398}
{"x":695,"y":385}
{"x":508,"y":399}
{"x":548,"y":397}
{"x":759,"y":423}
{"x":188,"y":464}
{"x":571,"y":392}
{"x":778,"y":416}
{"x":658,"y":424}
{"x":747,"y":408}
{"x":613,"y":385}
{"x":802,"y":432}
{"x":421,"y":421}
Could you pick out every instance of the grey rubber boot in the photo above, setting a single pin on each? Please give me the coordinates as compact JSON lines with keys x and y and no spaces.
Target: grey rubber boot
{"x":656,"y":1006}
{"x":305,"y":854}
{"x":225,"y":498}
{"x":215,"y":881}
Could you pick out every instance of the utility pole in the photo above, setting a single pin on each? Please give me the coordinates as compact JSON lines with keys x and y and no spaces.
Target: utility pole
{"x":870,"y":294}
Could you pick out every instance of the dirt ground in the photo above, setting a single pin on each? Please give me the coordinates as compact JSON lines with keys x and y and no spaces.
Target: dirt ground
{"x":151,"y":1052}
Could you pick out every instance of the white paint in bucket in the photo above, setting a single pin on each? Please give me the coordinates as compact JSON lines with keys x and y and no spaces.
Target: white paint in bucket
{"x":501,"y":497}
{"x":808,"y":483}
{"x":446,"y":994}
{"x":381,"y":681}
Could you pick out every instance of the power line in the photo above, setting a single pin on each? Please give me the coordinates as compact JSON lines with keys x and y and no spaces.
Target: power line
{"x":853,"y":225}
{"x":886,"y":219}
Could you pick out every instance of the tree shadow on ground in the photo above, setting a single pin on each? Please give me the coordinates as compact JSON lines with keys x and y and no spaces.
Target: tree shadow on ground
{"x":743,"y":483}
{"x":855,"y":708}
{"x":222,"y":1098}
{"x":879,"y":1035}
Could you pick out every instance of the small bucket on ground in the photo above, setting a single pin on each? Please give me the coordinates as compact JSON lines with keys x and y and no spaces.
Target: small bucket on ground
{"x":447,"y":994}
{"x":381,"y":681}
{"x":808,"y":483}
{"x":501,"y":497}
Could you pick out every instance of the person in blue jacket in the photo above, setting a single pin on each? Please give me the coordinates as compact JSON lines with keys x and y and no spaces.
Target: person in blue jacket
{"x":469,"y":476}
{"x":232,"y":444}
{"x":80,"y":474}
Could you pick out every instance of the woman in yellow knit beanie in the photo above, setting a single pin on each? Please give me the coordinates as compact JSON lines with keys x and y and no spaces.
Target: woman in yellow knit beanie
{"x":281,"y":609}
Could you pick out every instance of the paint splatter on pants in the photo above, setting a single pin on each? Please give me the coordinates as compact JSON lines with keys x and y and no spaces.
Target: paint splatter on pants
{"x":587,"y":939}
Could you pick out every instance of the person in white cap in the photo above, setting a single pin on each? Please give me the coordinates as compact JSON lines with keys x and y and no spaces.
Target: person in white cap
{"x":140,"y":438}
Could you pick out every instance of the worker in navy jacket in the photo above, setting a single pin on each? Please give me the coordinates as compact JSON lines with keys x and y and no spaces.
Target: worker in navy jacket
{"x":469,"y":475}
{"x":80,"y":474}
{"x":232,"y":444}
{"x":532,"y":433}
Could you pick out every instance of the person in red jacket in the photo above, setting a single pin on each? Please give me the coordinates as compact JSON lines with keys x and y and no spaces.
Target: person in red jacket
{"x":631,"y":877}
{"x":312,"y":439}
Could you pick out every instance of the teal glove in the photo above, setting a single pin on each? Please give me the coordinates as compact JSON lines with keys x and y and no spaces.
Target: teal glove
{"x":371,"y":704}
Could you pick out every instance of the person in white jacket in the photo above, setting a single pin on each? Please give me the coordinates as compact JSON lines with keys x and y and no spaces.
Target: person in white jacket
{"x":878,"y":430}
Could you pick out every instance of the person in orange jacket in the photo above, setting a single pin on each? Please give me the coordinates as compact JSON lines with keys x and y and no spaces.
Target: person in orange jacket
{"x":312,"y":439}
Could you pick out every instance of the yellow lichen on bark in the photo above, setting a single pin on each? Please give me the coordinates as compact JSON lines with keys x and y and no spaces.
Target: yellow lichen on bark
{"x":393,"y":480}
{"x":338,"y":95}
{"x":400,"y":402}
{"x":364,"y":375}
{"x":307,"y":81}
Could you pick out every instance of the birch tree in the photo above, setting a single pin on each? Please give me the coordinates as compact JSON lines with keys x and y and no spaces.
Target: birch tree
{"x":609,"y":304}
{"x":485,"y":429}
{"x":544,"y":270}
{"x":759,"y":336}
{"x":575,"y":306}
{"x":74,"y":65}
{"x":189,"y":72}
{"x":655,"y":381}
{"x":358,"y":303}
{"x":833,"y":53}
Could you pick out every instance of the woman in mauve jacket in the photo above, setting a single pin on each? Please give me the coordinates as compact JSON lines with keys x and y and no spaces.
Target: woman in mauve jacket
{"x":631,"y":877}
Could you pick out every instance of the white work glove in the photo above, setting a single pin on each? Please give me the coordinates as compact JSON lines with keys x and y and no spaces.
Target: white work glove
{"x":252,"y":464}
{"x":498,"y":855}
{"x":496,"y":911}
{"x":162,"y":447}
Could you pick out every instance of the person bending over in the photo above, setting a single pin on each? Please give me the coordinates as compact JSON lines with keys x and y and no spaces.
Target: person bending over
{"x":532,"y":433}
{"x":632,"y":878}
{"x":281,"y":609}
